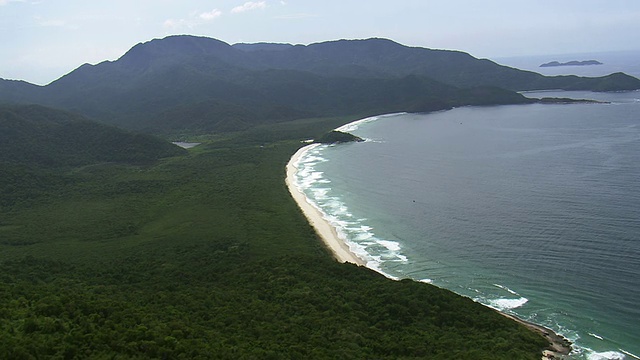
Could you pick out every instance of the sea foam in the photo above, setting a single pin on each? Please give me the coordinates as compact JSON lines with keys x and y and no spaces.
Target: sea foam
{"x":355,"y":232}
{"x":630,"y":354}
{"x":607,"y":355}
{"x":596,"y":336}
{"x":506,"y":289}
{"x":352,"y":126}
{"x":507,"y":304}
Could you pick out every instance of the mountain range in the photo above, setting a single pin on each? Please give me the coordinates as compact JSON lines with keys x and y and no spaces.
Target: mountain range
{"x":198,"y":84}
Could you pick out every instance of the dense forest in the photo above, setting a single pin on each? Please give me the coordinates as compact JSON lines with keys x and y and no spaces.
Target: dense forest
{"x":203,"y":254}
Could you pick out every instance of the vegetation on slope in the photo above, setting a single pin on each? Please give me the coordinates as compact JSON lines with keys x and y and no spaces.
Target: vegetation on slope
{"x":204,"y":256}
{"x":38,"y":144}
{"x":46,"y":137}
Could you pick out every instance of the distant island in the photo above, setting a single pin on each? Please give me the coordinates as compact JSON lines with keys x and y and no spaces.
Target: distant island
{"x":571,"y":63}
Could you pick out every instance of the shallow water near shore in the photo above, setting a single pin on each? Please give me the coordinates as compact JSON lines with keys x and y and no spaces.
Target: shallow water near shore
{"x":531,"y":209}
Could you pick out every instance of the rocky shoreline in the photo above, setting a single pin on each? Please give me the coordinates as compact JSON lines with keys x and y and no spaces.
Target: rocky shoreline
{"x":559,"y":346}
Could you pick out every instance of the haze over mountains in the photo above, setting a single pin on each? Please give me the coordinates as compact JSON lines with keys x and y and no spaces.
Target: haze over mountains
{"x":198,"y":84}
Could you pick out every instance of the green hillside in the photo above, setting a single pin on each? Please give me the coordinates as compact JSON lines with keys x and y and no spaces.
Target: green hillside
{"x":205,"y":255}
{"x":47,"y":137}
{"x":38,"y":145}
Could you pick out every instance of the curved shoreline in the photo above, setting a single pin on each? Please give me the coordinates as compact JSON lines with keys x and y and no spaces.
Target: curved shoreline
{"x":324,"y":229}
{"x":558,"y":345}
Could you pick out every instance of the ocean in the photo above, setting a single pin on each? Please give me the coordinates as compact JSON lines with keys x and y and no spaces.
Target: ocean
{"x":530,"y":209}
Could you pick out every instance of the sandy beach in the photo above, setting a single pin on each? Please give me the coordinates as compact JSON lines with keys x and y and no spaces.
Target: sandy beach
{"x":325,"y":231}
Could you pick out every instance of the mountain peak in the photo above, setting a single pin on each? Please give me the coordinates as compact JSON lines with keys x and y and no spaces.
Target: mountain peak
{"x":180,"y":43}
{"x":356,"y":44}
{"x":174,"y":46}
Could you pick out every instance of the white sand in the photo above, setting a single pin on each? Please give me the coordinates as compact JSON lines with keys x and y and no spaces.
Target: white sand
{"x":325,"y":231}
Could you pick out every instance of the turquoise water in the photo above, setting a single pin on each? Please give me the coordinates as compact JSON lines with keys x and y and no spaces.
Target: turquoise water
{"x":530,"y":209}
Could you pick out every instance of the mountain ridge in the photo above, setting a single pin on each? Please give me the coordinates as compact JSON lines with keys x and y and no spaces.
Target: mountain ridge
{"x":340,"y":77}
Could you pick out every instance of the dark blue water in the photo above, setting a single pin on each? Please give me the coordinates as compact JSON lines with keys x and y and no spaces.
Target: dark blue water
{"x":530,"y":209}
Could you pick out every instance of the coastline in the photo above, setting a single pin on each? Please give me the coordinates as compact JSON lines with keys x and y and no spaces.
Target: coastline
{"x":326,"y":232}
{"x":558,"y":347}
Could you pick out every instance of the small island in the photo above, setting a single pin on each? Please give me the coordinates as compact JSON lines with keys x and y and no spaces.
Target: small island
{"x":572,"y":63}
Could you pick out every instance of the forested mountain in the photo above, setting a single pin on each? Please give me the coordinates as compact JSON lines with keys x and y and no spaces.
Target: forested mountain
{"x":385,"y":58}
{"x":197,"y":84}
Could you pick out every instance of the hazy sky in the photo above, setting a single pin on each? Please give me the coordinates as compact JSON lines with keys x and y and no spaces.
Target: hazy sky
{"x":41,"y":40}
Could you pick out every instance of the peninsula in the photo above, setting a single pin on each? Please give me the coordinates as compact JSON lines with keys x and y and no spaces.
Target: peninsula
{"x":337,"y":137}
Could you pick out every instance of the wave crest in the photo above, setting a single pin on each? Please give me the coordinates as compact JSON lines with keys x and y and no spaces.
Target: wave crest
{"x":507,"y":304}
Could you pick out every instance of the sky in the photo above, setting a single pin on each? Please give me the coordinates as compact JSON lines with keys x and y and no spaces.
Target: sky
{"x":42,"y":40}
